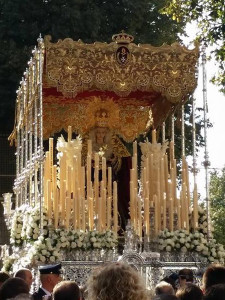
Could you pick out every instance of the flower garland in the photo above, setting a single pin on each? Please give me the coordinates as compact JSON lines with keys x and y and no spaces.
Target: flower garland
{"x":183,"y":241}
{"x":45,"y":250}
{"x":50,"y":249}
{"x":202,"y":220}
{"x":51,"y":245}
{"x":103,"y":240}
{"x":16,"y":237}
{"x":32,"y":230}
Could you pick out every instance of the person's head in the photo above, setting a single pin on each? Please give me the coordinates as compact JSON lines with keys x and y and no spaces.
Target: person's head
{"x":3,"y":277}
{"x":50,"y":275}
{"x":66,"y":290}
{"x":189,"y":292}
{"x":116,"y":281}
{"x":13,"y":287}
{"x":185,"y":275}
{"x":26,"y":275}
{"x":171,"y":280}
{"x":214,"y":274}
{"x":215,"y":292}
{"x":164,"y":287}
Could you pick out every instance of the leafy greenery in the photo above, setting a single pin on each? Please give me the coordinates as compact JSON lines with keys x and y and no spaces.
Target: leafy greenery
{"x":209,"y":15}
{"x":217,"y":197}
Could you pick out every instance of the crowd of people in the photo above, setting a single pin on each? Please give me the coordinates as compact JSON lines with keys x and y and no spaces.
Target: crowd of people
{"x":114,"y":281}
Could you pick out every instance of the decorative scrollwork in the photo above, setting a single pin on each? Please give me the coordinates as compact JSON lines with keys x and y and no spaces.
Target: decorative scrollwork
{"x":74,"y":67}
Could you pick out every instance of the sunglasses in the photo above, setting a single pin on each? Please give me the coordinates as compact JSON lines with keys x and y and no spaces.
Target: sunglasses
{"x":183,"y":277}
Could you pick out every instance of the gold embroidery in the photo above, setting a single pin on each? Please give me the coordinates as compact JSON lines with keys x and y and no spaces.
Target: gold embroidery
{"x":127,"y":117}
{"x":74,"y":67}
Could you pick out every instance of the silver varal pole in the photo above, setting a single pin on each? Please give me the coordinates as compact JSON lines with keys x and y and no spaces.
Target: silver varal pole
{"x":194,"y":168}
{"x":206,"y":162}
{"x":41,"y":152}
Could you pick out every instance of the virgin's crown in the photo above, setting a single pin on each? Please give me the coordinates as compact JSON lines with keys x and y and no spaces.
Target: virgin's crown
{"x":122,"y":38}
{"x":102,"y":118}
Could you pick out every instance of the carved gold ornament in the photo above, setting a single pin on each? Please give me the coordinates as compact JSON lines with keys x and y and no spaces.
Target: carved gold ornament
{"x":126,"y":117}
{"x":74,"y":67}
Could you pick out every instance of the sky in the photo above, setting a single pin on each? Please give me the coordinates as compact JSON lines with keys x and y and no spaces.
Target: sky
{"x":216,"y":111}
{"x":215,"y":135}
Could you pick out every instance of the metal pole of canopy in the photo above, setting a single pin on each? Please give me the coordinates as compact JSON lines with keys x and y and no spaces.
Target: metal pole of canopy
{"x":194,"y":166}
{"x":206,"y":162}
{"x":40,"y":133}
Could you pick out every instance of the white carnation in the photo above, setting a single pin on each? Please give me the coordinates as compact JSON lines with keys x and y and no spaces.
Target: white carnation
{"x":183,"y":249}
{"x":52,"y":258}
{"x":168,"y":248}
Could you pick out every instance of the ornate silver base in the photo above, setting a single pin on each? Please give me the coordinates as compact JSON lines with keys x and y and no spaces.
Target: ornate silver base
{"x":151,"y":265}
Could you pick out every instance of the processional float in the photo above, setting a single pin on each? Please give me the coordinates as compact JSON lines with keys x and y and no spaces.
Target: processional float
{"x":100,"y":97}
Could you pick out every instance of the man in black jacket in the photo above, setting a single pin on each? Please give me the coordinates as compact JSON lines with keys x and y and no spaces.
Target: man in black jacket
{"x":50,"y":275}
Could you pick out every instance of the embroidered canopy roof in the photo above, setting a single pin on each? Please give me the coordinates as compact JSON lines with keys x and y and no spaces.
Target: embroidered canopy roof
{"x":137,"y":86}
{"x":123,"y":86}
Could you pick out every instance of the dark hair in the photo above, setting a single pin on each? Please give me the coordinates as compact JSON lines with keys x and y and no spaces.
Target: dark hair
{"x":215,"y":292}
{"x":189,"y":292}
{"x":186,"y":274}
{"x":214,"y":274}
{"x":171,"y":281}
{"x":66,"y":290}
{"x":4,"y":276}
{"x":13,"y":287}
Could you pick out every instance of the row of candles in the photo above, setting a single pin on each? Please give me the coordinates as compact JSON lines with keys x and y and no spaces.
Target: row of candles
{"x":158,"y":206}
{"x":72,"y":199}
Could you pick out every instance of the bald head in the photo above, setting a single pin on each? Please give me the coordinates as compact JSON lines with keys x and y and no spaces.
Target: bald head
{"x":26,"y":275}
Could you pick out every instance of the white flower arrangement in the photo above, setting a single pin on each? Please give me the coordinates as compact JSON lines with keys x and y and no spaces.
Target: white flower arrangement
{"x":178,"y":240}
{"x":80,"y":240}
{"x":16,"y":237}
{"x":8,"y":263}
{"x":69,"y":149}
{"x":103,"y":240}
{"x":18,"y":259}
{"x":216,"y":252}
{"x":50,"y":246}
{"x":50,"y":249}
{"x":45,"y":250}
{"x":183,"y":241}
{"x":202,"y":220}
{"x":33,"y":224}
{"x":157,"y":149}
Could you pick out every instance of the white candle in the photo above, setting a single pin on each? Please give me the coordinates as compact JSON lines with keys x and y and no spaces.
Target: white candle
{"x":51,"y":156}
{"x":69,"y":133}
{"x":115,"y":209}
{"x":104,"y":171}
{"x":153,"y":136}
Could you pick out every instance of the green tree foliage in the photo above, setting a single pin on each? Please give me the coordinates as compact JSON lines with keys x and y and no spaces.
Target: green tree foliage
{"x":21,"y":22}
{"x":217,"y":197}
{"x":210,"y":17}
